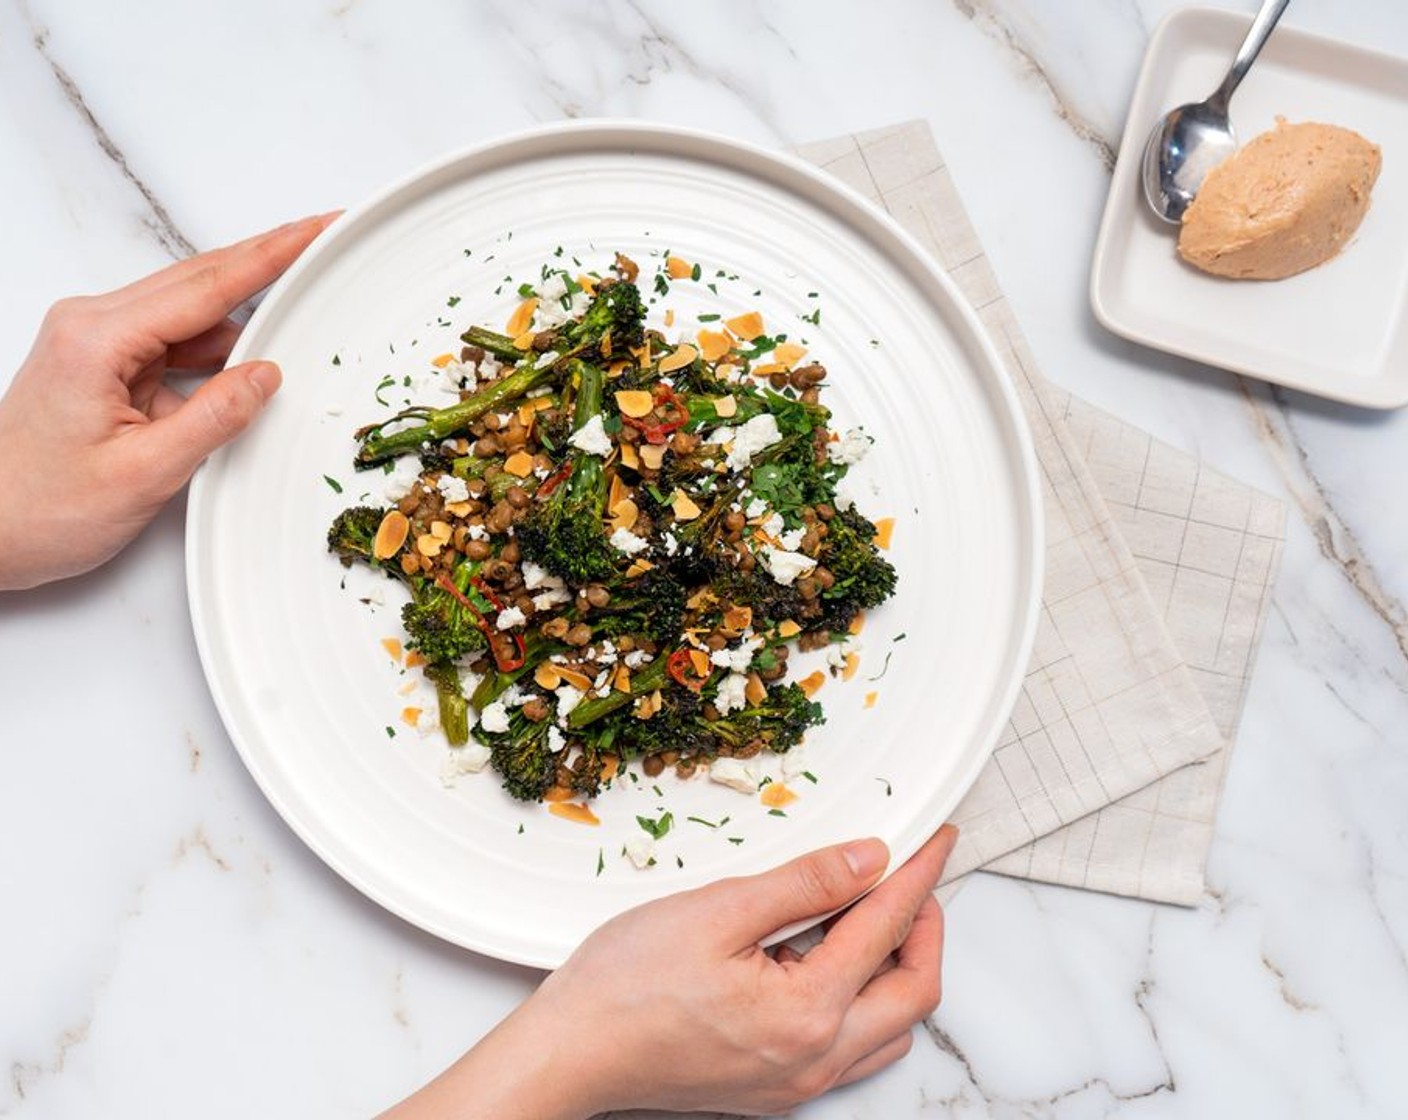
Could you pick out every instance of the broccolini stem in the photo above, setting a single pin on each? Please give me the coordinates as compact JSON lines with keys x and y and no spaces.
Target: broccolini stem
{"x":445,"y":422}
{"x":653,"y":676}
{"x":454,"y":716}
{"x":500,"y":345}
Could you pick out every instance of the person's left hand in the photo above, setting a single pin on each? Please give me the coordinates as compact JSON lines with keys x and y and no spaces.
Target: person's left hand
{"x":92,"y":440}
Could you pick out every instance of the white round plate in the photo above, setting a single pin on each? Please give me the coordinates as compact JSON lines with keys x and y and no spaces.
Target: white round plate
{"x":293,"y":655}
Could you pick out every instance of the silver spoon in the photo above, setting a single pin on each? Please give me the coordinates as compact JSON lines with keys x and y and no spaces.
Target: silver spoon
{"x":1192,"y":139}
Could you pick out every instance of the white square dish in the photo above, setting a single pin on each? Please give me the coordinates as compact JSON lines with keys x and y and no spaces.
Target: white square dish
{"x":1338,"y":331}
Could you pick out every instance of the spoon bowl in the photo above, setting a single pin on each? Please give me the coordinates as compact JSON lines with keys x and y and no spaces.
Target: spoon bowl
{"x":1191,"y":140}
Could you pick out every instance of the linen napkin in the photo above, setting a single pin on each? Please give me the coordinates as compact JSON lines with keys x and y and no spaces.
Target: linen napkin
{"x":1158,"y":578}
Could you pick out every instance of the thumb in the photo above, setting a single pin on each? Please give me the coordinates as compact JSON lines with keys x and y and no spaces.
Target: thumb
{"x":215,"y":413}
{"x":810,"y":886}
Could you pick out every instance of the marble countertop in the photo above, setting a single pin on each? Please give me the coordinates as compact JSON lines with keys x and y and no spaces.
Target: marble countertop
{"x":170,"y":948}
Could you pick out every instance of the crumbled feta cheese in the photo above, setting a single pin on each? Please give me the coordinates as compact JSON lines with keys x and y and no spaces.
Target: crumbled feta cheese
{"x":773,"y":526}
{"x":756,"y":508}
{"x":591,"y":437}
{"x":751,"y":437}
{"x":477,"y":532}
{"x":567,"y":699}
{"x":535,"y":576}
{"x":625,"y":541}
{"x":510,"y":617}
{"x":791,"y":539}
{"x":844,"y":498}
{"x":402,"y":477}
{"x":601,"y":679}
{"x":636,"y":658}
{"x":468,"y":759}
{"x":785,"y":567}
{"x":453,"y":488}
{"x":739,"y":658}
{"x":557,"y":741}
{"x":706,"y":464}
{"x":514,"y":697}
{"x":334,"y":411}
{"x":736,"y":773}
{"x":671,"y":544}
{"x":494,"y":718}
{"x":552,"y":597}
{"x":731,"y":696}
{"x":640,"y":850}
{"x":850,"y":448}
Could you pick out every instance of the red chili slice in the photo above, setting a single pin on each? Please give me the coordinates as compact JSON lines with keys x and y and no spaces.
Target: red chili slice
{"x":504,"y":664}
{"x":681,"y":668}
{"x":556,"y":479}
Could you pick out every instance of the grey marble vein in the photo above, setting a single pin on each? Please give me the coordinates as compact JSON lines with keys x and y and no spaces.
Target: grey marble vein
{"x":158,"y":219}
{"x":982,"y":14}
{"x":1336,"y":540}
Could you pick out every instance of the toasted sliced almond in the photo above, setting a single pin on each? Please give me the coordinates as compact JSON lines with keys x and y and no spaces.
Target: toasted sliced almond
{"x":521,"y":319}
{"x":634,"y":403}
{"x":738,"y":618}
{"x":724,"y":407}
{"x":618,"y":367}
{"x":524,"y":341}
{"x":574,"y":811}
{"x":678,"y":358}
{"x":624,"y":514}
{"x":641,"y":708}
{"x":714,"y":344}
{"x":623,"y":679}
{"x":411,"y":715}
{"x":519,"y":464}
{"x":639,"y":566}
{"x":755,"y":692}
{"x":575,"y":677}
{"x":610,"y":765}
{"x":678,"y":268}
{"x":641,"y":353}
{"x":724,"y":371}
{"x":669,"y":317}
{"x":558,"y":793}
{"x":775,"y":795}
{"x":812,"y":682}
{"x":699,"y":661}
{"x":391,"y":534}
{"x":440,"y":361}
{"x":652,"y":455}
{"x":656,"y":700}
{"x":547,"y":676}
{"x":870,"y":698}
{"x":588,"y":284}
{"x":392,"y":646}
{"x":788,"y":629}
{"x":629,"y":456}
{"x":429,"y":546}
{"x":415,"y":659}
{"x":701,"y":598}
{"x":857,"y":623}
{"x":684,"y":506}
{"x":789,"y":353}
{"x":746,"y":327}
{"x":616,"y":492}
{"x":768,"y":368}
{"x":409,"y":687}
{"x":440,"y":530}
{"x":852,"y":664}
{"x":457,"y":509}
{"x":884,"y":529}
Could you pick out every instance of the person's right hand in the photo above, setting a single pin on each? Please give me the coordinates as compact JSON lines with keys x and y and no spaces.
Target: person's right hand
{"x":674,"y":1005}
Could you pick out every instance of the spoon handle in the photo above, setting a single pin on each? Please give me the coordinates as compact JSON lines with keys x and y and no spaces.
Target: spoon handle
{"x":1251,"y":47}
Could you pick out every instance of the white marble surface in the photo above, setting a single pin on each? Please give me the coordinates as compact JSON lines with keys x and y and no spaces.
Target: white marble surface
{"x":169,"y":948}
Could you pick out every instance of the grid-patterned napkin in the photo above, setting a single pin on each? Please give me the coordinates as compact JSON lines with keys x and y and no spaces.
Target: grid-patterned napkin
{"x":1158,"y":576}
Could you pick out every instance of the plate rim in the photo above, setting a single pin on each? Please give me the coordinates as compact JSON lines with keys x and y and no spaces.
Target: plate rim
{"x":1021,"y":449}
{"x":1379,"y":394}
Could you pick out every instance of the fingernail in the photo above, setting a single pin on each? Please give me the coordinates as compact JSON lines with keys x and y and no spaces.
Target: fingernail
{"x":867,"y":858}
{"x":265,"y":377}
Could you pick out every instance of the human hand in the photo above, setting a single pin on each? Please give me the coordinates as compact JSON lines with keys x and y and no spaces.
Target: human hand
{"x":92,"y":440}
{"x":674,"y":1005}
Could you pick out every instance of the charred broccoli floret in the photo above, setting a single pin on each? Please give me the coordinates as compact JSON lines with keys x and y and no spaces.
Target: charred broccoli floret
{"x":521,"y":755}
{"x":864,"y":578}
{"x":779,"y":721}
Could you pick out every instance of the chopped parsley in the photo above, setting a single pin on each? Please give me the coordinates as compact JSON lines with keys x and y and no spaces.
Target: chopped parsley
{"x":657,"y":829}
{"x":332,"y":482}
